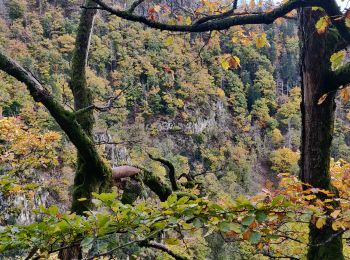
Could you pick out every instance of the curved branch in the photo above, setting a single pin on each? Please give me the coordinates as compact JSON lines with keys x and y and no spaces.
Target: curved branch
{"x":215,"y":24}
{"x":134,"y":5}
{"x":156,"y":185}
{"x":171,"y":170}
{"x":64,"y":118}
{"x":163,"y":248}
{"x":218,"y":16}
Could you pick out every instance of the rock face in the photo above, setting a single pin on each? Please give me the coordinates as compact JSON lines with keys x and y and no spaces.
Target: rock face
{"x":3,"y":10}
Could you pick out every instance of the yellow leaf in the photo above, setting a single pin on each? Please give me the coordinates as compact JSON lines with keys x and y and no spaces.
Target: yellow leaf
{"x":320,"y":223}
{"x":169,"y":41}
{"x":225,"y":65}
{"x":16,"y":188}
{"x":261,"y":41}
{"x":234,"y":39}
{"x":82,"y":199}
{"x":337,"y":59}
{"x":309,"y":197}
{"x":322,"y":24}
{"x":347,"y":22}
{"x":336,"y":225}
{"x":344,"y":95}
{"x":315,"y":8}
{"x":335,"y":213}
{"x":188,"y":20}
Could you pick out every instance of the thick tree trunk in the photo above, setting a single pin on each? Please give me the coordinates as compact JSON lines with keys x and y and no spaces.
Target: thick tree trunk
{"x":89,"y":177}
{"x":317,"y":129}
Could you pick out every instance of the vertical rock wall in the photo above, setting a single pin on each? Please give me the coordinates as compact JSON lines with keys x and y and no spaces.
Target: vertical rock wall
{"x":3,"y":10}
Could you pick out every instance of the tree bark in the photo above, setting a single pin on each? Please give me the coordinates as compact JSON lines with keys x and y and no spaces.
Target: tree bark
{"x":317,"y":127}
{"x":88,"y":178}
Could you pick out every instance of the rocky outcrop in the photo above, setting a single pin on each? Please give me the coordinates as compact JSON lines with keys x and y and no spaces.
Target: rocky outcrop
{"x":3,"y":10}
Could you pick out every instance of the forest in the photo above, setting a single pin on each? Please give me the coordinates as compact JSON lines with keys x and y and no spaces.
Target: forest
{"x":174,"y":129}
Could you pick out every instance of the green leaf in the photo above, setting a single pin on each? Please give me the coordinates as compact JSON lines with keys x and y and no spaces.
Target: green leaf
{"x":248,"y":220}
{"x":86,"y":244}
{"x":243,"y":202}
{"x":105,"y":197}
{"x":102,"y":220}
{"x":171,"y":241}
{"x":254,"y":237}
{"x":183,"y":200}
{"x":224,"y":226}
{"x":159,"y":225}
{"x":260,"y":216}
{"x":276,"y":200}
{"x":197,"y":222}
{"x":53,"y":210}
{"x":216,"y":207}
{"x":172,"y":199}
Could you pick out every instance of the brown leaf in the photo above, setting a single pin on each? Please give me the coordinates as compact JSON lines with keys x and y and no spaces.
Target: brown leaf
{"x":246,"y":235}
{"x":344,"y":95}
{"x":322,"y":99}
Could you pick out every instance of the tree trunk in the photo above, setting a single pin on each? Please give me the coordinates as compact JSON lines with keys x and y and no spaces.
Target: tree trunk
{"x":317,"y":127}
{"x":89,"y":177}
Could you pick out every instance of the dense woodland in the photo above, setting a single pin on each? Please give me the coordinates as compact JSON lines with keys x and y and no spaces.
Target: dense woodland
{"x":174,"y":129}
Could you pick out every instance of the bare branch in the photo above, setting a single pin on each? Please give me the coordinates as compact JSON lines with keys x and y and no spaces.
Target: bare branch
{"x":109,"y":252}
{"x":105,"y":108}
{"x":163,"y":248}
{"x":134,"y":5}
{"x":218,"y":16}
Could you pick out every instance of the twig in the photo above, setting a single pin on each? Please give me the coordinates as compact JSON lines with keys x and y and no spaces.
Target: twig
{"x":109,"y":252}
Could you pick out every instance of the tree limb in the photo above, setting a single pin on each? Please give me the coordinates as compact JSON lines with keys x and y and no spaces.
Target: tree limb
{"x":170,"y":169}
{"x":134,"y":5}
{"x":64,"y":118}
{"x":219,"y":23}
{"x":109,"y":252}
{"x":82,"y":94}
{"x":218,"y":16}
{"x":163,"y":248}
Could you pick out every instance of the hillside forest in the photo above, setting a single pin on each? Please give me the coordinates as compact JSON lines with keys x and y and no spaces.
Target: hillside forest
{"x":174,"y":129}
